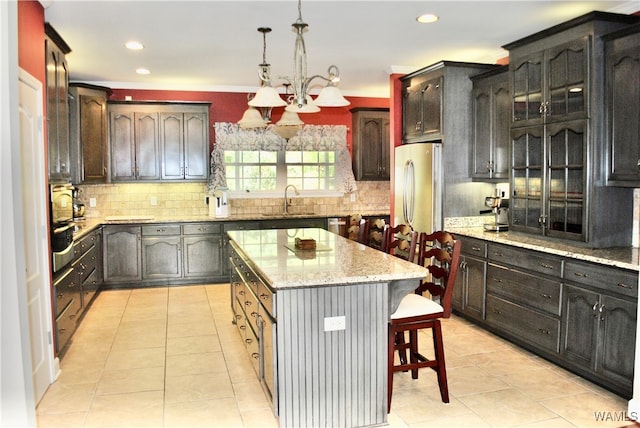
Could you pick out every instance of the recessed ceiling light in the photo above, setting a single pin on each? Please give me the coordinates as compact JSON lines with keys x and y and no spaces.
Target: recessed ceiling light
{"x":143,"y":71}
{"x":134,"y":46}
{"x":427,"y":18}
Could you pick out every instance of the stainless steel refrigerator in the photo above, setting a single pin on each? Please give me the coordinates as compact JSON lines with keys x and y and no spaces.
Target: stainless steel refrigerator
{"x":418,"y":186}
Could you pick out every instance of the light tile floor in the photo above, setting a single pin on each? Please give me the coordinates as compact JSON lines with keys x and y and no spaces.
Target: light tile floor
{"x":170,"y":357}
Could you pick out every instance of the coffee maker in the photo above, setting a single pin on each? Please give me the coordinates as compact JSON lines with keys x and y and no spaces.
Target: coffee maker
{"x":499,"y":206}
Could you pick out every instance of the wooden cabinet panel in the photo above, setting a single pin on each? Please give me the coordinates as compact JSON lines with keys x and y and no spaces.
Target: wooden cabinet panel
{"x":122,"y":255}
{"x":203,"y":256}
{"x":88,"y":133}
{"x":57,"y":105}
{"x":147,"y":146}
{"x":622,"y":94}
{"x":491,"y":124}
{"x":161,"y":257}
{"x":371,"y":144}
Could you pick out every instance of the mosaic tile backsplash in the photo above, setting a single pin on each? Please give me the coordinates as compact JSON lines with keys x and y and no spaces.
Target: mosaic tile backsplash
{"x":188,"y":199}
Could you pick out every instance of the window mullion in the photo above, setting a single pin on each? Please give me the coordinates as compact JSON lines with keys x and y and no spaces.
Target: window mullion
{"x":281,"y":171}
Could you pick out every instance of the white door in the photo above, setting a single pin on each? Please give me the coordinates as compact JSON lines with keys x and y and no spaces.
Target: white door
{"x":36,"y":256}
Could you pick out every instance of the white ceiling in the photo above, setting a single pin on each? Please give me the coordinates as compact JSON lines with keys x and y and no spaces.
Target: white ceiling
{"x":214,"y":45}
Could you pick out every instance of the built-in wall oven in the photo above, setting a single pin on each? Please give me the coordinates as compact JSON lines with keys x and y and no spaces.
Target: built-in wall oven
{"x":62,"y":225}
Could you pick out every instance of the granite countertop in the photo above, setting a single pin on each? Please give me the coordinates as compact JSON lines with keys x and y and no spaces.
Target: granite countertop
{"x":336,"y":260}
{"x":88,"y":224}
{"x":627,"y":257}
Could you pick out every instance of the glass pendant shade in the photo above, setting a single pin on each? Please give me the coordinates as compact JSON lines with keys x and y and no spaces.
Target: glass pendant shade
{"x":267,"y":97}
{"x":330,"y":96}
{"x":290,"y":118}
{"x":252,"y":119}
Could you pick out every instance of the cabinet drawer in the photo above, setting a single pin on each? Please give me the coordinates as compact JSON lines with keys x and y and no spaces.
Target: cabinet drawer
{"x":253,"y":348}
{"x":161,"y":229}
{"x":472,"y":246}
{"x":528,"y":290}
{"x":528,"y":325}
{"x":614,"y":280}
{"x":65,"y":326}
{"x":85,"y":244}
{"x":201,"y":228}
{"x":64,"y":290}
{"x":242,"y":225}
{"x":531,"y":260}
{"x":251,"y":309}
{"x":267,"y":299}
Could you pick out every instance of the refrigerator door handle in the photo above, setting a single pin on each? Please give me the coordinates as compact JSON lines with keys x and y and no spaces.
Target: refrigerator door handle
{"x":408,"y":196}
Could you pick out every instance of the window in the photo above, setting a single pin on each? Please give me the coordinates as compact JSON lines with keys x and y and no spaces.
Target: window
{"x":259,"y":161}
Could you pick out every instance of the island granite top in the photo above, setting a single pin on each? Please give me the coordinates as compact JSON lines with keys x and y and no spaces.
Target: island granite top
{"x":336,"y":260}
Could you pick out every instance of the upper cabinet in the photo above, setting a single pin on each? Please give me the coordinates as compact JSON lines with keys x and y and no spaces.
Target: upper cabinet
{"x":491,"y":124}
{"x":57,"y":82}
{"x":622,"y":99}
{"x":558,"y":161}
{"x":422,"y":109}
{"x":154,"y":141}
{"x":88,"y":133}
{"x":371,"y":143}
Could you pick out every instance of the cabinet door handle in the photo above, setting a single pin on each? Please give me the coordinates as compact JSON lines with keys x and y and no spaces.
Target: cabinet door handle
{"x":628,"y":287}
{"x":545,"y":295}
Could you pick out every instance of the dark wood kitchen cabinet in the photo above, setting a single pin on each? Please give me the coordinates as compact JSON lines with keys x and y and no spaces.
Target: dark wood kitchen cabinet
{"x":600,"y":321}
{"x":161,"y":251}
{"x":371,"y":144}
{"x":88,"y":253}
{"x":491,"y":124}
{"x":57,"y":107}
{"x":203,"y":254}
{"x":422,"y":110}
{"x":67,"y":306}
{"x":623,"y":107}
{"x":88,"y":133}
{"x":184,"y":141}
{"x":558,"y":170}
{"x":469,"y":290}
{"x":134,"y":143}
{"x":122,"y":254}
{"x":159,"y":141}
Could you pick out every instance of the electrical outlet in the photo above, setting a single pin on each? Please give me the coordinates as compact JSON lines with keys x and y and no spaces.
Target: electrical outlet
{"x":206,"y":200}
{"x":154,"y":200}
{"x":92,"y":202}
{"x":335,"y":323}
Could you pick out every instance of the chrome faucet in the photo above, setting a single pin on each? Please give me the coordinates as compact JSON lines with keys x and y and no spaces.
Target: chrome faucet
{"x":287,"y":202}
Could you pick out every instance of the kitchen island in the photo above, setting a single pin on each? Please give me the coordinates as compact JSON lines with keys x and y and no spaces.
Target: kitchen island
{"x":315,"y":322}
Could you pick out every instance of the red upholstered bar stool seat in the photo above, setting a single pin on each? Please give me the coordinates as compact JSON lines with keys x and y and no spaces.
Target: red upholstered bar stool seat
{"x":440,"y":253}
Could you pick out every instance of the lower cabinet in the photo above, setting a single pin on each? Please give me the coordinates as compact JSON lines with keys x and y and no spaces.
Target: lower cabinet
{"x":253,"y":306}
{"x":581,"y":315}
{"x":122,"y":256}
{"x":75,"y":287}
{"x":202,"y":250}
{"x":161,"y":252}
{"x":469,"y":291}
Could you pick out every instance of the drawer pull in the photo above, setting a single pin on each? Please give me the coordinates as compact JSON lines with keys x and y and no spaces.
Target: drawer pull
{"x":628,"y":287}
{"x":238,"y":316}
{"x":495,"y":311}
{"x":543,"y":331}
{"x":241,"y":292}
{"x":60,"y":296}
{"x":546,"y":266}
{"x":475,"y":248}
{"x":498,"y":280}
{"x":581,"y":275}
{"x":254,"y":314}
{"x":495,"y":253}
{"x":545,"y":295}
{"x":255,"y":355}
{"x":264,"y":296}
{"x":249,"y":341}
{"x":248,"y":303}
{"x":242,"y":327}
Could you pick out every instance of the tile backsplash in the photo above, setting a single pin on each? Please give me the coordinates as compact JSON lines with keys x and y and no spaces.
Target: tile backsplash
{"x":165,"y":200}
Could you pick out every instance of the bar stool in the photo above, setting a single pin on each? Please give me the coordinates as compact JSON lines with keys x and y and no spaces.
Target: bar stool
{"x":440,"y":253}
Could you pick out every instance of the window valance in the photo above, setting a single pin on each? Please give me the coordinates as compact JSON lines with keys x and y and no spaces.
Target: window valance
{"x":229,"y":136}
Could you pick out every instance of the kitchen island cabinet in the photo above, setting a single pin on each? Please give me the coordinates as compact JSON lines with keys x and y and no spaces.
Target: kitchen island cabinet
{"x":315,"y":322}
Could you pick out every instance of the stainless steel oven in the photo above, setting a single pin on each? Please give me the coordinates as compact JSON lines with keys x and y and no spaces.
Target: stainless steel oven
{"x":62,"y":225}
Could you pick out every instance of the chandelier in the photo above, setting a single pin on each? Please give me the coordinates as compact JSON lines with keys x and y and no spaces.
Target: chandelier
{"x":300,"y":101}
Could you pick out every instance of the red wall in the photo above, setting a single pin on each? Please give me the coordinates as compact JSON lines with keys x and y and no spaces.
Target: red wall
{"x":31,"y":38}
{"x":229,"y":106}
